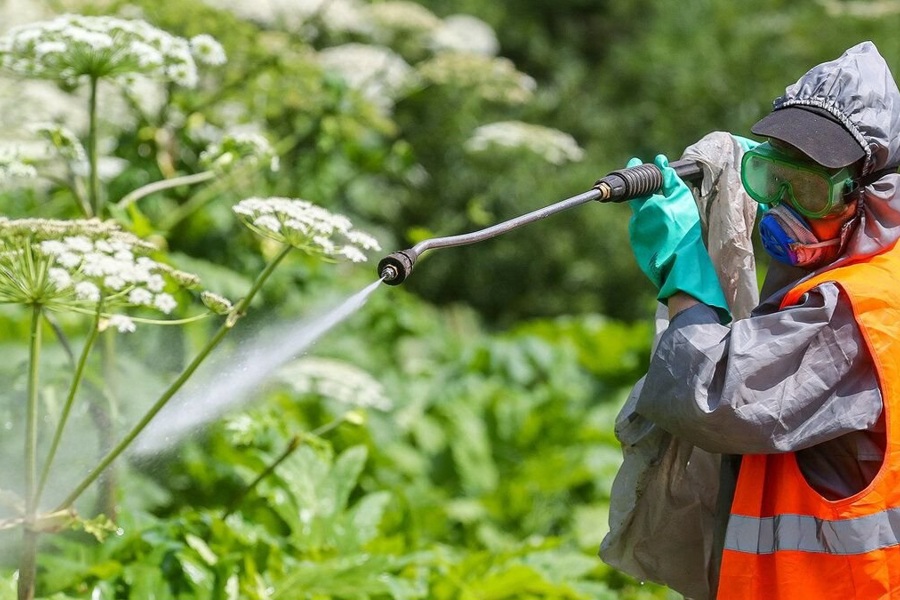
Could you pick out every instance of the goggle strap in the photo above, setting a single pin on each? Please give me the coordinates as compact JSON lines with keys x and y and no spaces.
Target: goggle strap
{"x":873,"y":177}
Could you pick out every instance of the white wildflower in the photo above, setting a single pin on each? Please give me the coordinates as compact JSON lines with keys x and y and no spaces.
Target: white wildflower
{"x":85,"y":290}
{"x":71,"y":47}
{"x":553,"y":145}
{"x":235,"y":147}
{"x":12,"y":169}
{"x":59,"y":278}
{"x":325,"y":244}
{"x":83,"y":265}
{"x":121,"y":323}
{"x":165,"y":302}
{"x":399,"y":17}
{"x":337,"y":15}
{"x":114,"y":282}
{"x":306,"y":226}
{"x":304,"y":16}
{"x":140,"y":297}
{"x":184,"y":73}
{"x":465,"y":33}
{"x":268,"y":222}
{"x":336,"y":380}
{"x":363,"y":240}
{"x":378,"y":73}
{"x":53,"y":247}
{"x":492,"y":78}
{"x":148,"y":56}
{"x":122,"y":254}
{"x":207,"y":50}
{"x":155,"y":282}
{"x":68,"y":259}
{"x":352,"y":253}
{"x":78,"y":243}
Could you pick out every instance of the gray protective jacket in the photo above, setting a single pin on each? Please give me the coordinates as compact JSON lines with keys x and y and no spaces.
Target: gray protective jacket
{"x":799,"y":379}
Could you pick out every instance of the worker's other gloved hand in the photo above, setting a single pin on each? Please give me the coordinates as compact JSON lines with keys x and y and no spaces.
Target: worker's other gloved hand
{"x":666,"y":240}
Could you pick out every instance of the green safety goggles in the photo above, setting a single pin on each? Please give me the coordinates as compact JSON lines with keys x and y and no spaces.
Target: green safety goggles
{"x":770,"y":176}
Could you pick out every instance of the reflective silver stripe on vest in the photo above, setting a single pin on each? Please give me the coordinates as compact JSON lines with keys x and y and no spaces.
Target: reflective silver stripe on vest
{"x":809,"y":534}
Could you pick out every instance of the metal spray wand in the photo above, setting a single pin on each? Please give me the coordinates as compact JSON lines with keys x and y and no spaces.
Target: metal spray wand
{"x":618,"y":186}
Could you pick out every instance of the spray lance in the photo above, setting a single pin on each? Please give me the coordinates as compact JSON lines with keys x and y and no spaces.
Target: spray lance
{"x":618,"y":186}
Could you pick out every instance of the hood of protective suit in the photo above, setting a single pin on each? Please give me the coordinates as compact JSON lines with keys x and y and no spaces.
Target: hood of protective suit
{"x":858,"y":90}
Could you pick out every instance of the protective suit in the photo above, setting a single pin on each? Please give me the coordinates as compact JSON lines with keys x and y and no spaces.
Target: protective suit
{"x":796,"y":379}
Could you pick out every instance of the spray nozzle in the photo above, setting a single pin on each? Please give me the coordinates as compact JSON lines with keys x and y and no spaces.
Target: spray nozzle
{"x":396,"y":267}
{"x":618,"y":186}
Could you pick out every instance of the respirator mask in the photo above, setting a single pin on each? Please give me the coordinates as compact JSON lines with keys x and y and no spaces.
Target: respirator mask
{"x":794,"y":191}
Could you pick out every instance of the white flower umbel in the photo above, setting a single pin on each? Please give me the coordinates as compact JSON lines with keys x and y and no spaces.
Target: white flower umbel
{"x":207,"y":50}
{"x":377,"y":72}
{"x":400,"y":17}
{"x":553,"y":145}
{"x":493,"y":78}
{"x":239,"y":147}
{"x":303,"y":16}
{"x":13,"y":169}
{"x":63,"y":140}
{"x":336,"y":380}
{"x":306,"y":226}
{"x":71,"y":47}
{"x":465,"y":33}
{"x":74,"y":265}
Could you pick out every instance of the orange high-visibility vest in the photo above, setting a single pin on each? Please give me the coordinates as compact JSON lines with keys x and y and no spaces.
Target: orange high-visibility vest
{"x":784,"y":540}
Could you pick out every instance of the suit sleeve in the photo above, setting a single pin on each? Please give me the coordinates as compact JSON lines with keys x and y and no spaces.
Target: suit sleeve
{"x":775,"y":382}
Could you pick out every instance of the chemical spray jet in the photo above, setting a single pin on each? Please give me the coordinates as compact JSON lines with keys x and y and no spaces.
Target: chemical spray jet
{"x":618,"y":186}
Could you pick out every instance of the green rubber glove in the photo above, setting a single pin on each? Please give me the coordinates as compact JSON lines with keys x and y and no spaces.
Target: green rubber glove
{"x":665,"y":237}
{"x":745,"y":143}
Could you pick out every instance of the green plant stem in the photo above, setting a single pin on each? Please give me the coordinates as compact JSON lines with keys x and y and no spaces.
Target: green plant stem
{"x":294,"y":443}
{"x":182,"y":212}
{"x":28,"y":563}
{"x":32,"y":418}
{"x":186,"y":374}
{"x":73,"y":390}
{"x":165,"y":184}
{"x":104,"y":416}
{"x":200,"y":199}
{"x":93,"y":172}
{"x":28,"y":559}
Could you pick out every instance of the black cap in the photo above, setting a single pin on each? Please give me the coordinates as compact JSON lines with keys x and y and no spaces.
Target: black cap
{"x":813,"y":131}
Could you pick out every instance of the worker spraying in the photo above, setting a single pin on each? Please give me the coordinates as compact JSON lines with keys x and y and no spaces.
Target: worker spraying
{"x":776,"y":457}
{"x":762,"y":447}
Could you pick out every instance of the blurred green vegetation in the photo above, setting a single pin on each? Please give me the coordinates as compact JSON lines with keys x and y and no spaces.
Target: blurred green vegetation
{"x":626,"y":78}
{"x":485,"y":471}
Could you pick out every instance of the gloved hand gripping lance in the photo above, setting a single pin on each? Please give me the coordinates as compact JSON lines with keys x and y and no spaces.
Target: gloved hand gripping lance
{"x":618,"y":186}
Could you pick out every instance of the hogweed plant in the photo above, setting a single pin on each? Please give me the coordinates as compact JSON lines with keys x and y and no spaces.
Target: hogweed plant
{"x":114,"y":280}
{"x":93,"y":268}
{"x":554,"y":146}
{"x":75,"y":50}
{"x":86,"y":267}
{"x":227,"y":158}
{"x":303,"y":226}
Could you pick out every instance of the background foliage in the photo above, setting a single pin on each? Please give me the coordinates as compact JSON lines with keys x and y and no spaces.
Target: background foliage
{"x":473,"y":457}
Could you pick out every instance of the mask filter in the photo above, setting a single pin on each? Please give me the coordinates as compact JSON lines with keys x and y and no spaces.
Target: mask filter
{"x":788,"y":239}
